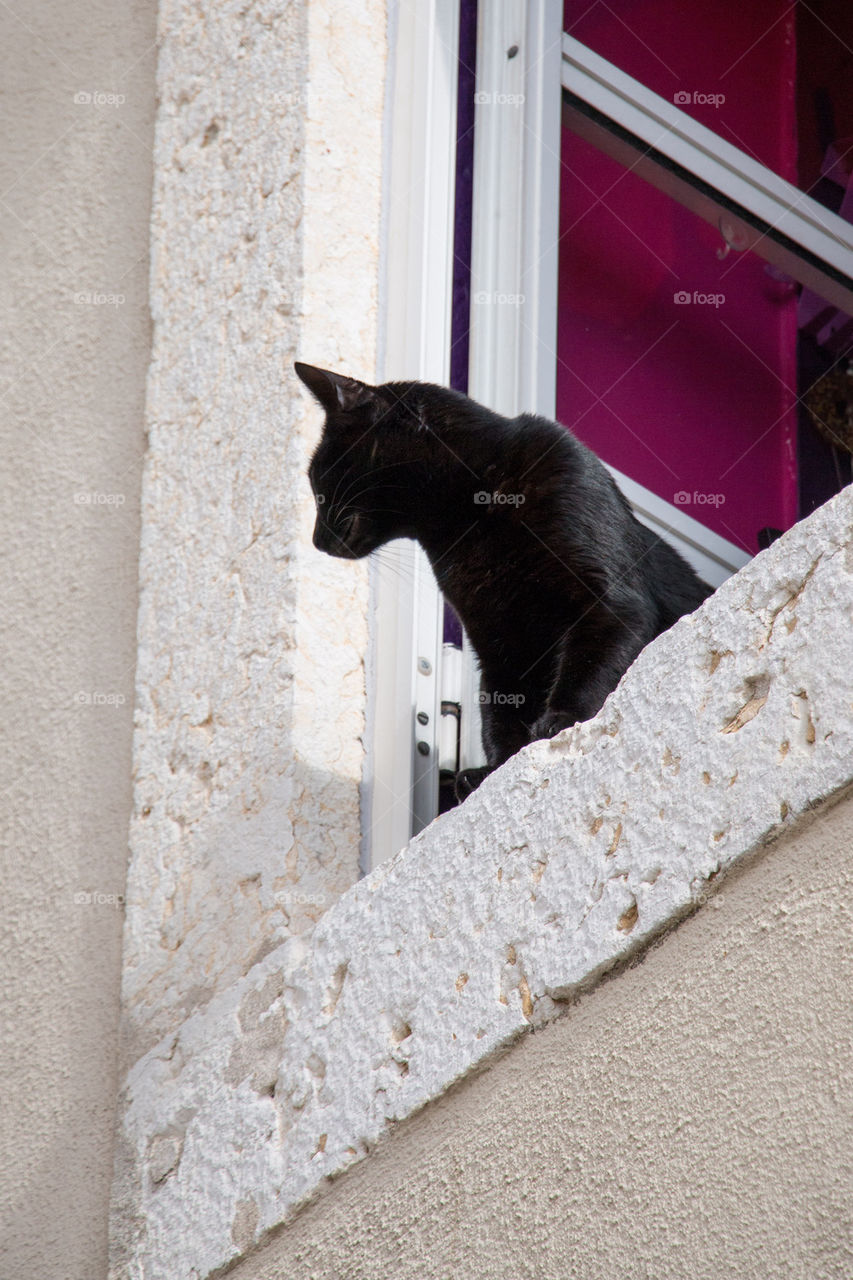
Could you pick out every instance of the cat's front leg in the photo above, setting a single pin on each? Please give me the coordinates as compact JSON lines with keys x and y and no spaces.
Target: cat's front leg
{"x":468,"y":780}
{"x":551,"y":723}
{"x":503,"y":734}
{"x":591,"y":665}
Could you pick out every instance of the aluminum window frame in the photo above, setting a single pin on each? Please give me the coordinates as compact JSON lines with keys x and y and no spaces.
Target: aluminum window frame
{"x":752,"y":206}
{"x":519,"y":114}
{"x":400,"y":788}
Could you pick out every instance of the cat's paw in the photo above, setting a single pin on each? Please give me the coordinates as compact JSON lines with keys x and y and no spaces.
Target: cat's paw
{"x":468,"y":780}
{"x":549,"y":723}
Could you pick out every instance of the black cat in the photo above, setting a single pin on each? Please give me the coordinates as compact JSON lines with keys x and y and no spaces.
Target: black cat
{"x":558,"y":586}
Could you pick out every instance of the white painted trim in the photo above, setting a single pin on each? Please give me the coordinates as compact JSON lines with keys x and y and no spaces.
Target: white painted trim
{"x":515,"y":234}
{"x":428,"y":617}
{"x":471,"y":754}
{"x":390,"y":700}
{"x":515,"y":222}
{"x":451,"y":692}
{"x":540,"y":243}
{"x":417,"y":292}
{"x":701,"y":152}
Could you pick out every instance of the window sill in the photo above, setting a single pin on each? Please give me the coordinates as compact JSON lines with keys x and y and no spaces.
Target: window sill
{"x":570,"y":860}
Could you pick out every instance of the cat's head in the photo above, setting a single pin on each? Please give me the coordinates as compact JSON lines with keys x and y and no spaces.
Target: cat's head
{"x":358,"y":489}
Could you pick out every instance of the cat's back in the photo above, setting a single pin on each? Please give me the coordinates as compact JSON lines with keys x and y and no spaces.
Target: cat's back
{"x":580,"y":506}
{"x":574,"y":493}
{"x":548,"y":503}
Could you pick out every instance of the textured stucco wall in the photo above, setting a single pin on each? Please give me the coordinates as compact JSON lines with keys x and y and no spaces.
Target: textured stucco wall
{"x":75,"y":186}
{"x":692,"y":1117}
{"x":251,"y":689}
{"x":725,"y":733}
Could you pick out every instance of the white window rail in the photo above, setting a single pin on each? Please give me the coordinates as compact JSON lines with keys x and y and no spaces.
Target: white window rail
{"x":752,"y":206}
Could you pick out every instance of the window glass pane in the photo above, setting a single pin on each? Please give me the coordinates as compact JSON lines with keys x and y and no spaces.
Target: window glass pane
{"x":770,"y":77}
{"x":685,"y":365}
{"x":676,"y":365}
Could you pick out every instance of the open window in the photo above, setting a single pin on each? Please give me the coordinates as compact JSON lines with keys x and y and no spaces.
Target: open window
{"x":643,"y":267}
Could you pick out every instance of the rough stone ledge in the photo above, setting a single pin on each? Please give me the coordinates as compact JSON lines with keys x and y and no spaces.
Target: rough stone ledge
{"x":573,"y":856}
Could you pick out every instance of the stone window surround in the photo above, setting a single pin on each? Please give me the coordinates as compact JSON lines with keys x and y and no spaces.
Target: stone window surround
{"x":405,"y":985}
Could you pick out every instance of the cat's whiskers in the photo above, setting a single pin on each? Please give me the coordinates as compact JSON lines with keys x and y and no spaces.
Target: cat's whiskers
{"x":351,"y":512}
{"x":390,"y":565}
{"x":359,"y":476}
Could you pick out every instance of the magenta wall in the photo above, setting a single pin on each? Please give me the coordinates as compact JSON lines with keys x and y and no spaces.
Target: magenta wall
{"x":691,"y":398}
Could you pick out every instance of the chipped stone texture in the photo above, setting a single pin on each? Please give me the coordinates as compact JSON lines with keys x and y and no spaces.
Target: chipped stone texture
{"x":250,"y":677}
{"x":689,"y":1118}
{"x":570,"y":858}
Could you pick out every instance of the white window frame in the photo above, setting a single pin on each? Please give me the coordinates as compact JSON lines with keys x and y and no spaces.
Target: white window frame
{"x":515,"y":233}
{"x":671,"y":150}
{"x":400,"y":792}
{"x":514,"y":236}
{"x":405,"y":663}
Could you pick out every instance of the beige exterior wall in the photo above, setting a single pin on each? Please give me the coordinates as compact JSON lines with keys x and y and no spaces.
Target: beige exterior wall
{"x":686,"y":1115}
{"x":75,"y":181}
{"x":691,"y":1117}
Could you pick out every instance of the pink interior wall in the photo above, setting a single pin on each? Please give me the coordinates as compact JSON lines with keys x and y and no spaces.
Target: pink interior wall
{"x":692,"y":398}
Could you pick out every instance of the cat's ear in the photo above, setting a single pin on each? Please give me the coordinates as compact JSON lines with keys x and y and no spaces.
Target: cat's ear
{"x":333,"y":390}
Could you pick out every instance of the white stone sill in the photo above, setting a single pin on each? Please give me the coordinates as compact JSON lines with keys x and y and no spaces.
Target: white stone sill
{"x":569,"y":859}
